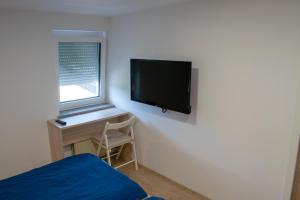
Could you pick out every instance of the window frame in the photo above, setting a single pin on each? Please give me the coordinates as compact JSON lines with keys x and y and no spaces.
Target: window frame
{"x":68,"y":105}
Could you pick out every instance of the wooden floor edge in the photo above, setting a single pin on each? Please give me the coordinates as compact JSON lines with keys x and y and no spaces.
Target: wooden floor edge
{"x":183,"y":186}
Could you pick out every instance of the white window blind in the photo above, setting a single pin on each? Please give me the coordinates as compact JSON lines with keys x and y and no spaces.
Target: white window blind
{"x":79,"y":70}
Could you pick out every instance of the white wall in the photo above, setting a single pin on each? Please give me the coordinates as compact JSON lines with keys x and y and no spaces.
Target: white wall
{"x":28,"y":85}
{"x":238,"y":142}
{"x":294,"y":142}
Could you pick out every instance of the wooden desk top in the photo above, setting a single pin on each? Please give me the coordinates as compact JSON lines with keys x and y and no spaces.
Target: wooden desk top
{"x":91,"y":117}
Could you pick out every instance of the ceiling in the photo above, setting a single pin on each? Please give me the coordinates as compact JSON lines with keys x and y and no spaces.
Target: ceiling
{"x":92,"y":7}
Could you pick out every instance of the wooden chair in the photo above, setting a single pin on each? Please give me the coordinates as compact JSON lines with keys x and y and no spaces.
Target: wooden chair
{"x":112,"y":137}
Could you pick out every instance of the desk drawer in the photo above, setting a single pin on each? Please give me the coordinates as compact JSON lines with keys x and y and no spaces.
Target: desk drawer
{"x":84,"y":132}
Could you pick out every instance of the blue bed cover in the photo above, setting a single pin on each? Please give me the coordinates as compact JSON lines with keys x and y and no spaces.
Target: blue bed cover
{"x":78,"y":177}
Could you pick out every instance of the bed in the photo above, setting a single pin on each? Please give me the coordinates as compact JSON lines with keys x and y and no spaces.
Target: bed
{"x":83,"y":176}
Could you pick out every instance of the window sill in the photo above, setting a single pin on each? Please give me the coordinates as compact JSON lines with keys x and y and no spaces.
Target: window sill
{"x":82,"y":110}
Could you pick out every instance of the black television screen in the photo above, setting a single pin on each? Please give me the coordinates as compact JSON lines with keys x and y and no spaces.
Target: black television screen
{"x":166,"y":84}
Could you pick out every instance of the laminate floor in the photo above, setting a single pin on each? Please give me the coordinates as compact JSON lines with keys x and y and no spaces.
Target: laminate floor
{"x":156,"y":184}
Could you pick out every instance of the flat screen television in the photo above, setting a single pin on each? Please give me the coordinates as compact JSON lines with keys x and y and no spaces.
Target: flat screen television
{"x":166,"y":84}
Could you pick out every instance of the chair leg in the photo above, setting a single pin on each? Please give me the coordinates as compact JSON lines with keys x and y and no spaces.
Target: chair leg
{"x":108,"y":156}
{"x":134,"y":156}
{"x":119,"y":152}
{"x":98,"y":150}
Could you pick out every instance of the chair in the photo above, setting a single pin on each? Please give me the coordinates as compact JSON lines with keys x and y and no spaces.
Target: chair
{"x":112,"y":137}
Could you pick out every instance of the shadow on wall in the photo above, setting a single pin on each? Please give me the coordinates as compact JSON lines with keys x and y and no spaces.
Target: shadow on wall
{"x":168,"y":157}
{"x":191,"y":118}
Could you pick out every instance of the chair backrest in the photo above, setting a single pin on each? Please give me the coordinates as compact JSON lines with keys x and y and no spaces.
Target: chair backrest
{"x":124,"y":124}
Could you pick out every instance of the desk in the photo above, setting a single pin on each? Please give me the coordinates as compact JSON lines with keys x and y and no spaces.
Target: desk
{"x":79,"y":128}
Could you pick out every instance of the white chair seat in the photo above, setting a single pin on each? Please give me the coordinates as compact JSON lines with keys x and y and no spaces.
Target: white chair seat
{"x":115,"y":139}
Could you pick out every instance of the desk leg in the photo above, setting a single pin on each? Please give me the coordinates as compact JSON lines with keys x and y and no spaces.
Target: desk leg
{"x":56,"y":142}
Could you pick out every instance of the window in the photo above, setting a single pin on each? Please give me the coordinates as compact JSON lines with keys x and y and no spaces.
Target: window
{"x":79,"y":70}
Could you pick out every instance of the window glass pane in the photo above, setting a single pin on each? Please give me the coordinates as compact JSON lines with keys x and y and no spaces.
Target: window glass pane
{"x":79,"y":70}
